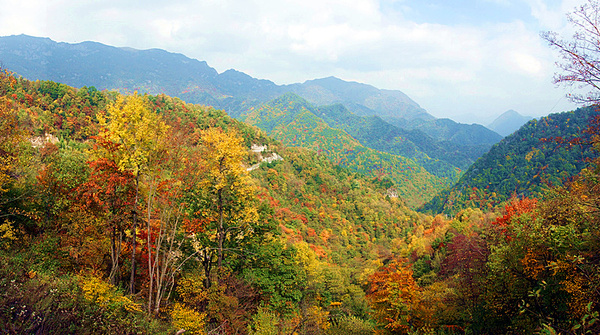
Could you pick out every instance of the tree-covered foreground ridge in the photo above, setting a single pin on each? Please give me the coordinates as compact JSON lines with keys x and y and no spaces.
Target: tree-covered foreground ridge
{"x":142,"y":214}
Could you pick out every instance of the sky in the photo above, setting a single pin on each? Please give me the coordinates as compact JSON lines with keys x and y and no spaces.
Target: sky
{"x":466,"y":60}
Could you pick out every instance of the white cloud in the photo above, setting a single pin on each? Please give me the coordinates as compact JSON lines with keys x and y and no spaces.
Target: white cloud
{"x":13,"y":22}
{"x":551,"y":15}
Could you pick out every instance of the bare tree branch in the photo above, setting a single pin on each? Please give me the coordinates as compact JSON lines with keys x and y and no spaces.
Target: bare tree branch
{"x":580,"y":64}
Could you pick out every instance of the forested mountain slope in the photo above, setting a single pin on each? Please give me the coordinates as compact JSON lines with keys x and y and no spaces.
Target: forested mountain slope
{"x":300,"y":235}
{"x":538,"y":155}
{"x":294,"y":121}
{"x":438,"y":157}
{"x":472,"y":140}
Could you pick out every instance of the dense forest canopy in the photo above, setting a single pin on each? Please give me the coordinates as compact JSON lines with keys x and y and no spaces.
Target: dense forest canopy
{"x":84,"y":172}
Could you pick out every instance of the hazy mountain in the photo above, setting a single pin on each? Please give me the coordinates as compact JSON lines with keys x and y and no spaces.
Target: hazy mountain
{"x":105,"y":67}
{"x":473,"y":140}
{"x":401,"y":127}
{"x":508,"y":122}
{"x":439,"y":158}
{"x":361,"y":99}
{"x":157,"y":71}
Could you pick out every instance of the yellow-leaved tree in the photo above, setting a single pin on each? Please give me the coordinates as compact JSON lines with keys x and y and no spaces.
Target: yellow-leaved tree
{"x":139,"y":135}
{"x":224,"y":201}
{"x":10,"y":136}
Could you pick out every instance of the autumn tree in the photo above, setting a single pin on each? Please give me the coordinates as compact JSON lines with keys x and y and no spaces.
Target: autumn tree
{"x":223,"y":201}
{"x":167,"y":244}
{"x":165,"y":254}
{"x":394,"y":296}
{"x":139,"y":134}
{"x":465,"y":263}
{"x":10,"y":136}
{"x":109,"y":193}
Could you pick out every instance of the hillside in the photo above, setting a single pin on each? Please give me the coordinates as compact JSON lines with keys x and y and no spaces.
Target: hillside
{"x":306,"y":232}
{"x":470,"y":137}
{"x":523,"y":164}
{"x":294,"y":121}
{"x":439,"y":157}
{"x":361,"y":99}
{"x":157,"y":71}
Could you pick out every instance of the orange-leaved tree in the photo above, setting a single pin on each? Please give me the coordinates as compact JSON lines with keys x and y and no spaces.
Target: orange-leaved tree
{"x":109,"y":194}
{"x":394,"y":296}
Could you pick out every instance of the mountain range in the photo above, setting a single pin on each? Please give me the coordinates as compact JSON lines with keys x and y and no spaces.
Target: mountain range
{"x":157,"y":71}
{"x":295,"y":244}
{"x":295,"y":122}
{"x":386,"y":125}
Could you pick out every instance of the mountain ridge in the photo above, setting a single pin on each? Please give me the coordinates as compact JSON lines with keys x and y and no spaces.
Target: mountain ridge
{"x":295,"y":122}
{"x":523,"y":164}
{"x":155,"y":71}
{"x":230,"y":90}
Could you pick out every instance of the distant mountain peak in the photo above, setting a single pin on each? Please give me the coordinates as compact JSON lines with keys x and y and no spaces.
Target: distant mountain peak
{"x":332,"y":80}
{"x":508,"y":122}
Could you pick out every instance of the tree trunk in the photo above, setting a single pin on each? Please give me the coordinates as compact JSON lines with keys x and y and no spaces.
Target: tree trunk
{"x":114,"y":256}
{"x":207,"y":264}
{"x":134,"y":237}
{"x":221,"y":232}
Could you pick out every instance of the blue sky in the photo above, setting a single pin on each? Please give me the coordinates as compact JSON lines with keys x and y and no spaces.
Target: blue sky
{"x":467,"y":60}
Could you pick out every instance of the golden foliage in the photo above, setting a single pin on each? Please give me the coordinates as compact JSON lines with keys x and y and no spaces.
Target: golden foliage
{"x":7,"y":234}
{"x":188,"y":319}
{"x":317,"y":320}
{"x":105,"y":295}
{"x":264,"y":322}
{"x":10,"y":135}
{"x":532,"y":265}
{"x":191,"y":290}
{"x":394,"y":295}
{"x":137,"y":131}
{"x":224,"y":154}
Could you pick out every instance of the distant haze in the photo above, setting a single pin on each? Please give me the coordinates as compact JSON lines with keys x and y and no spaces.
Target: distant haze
{"x":467,"y":60}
